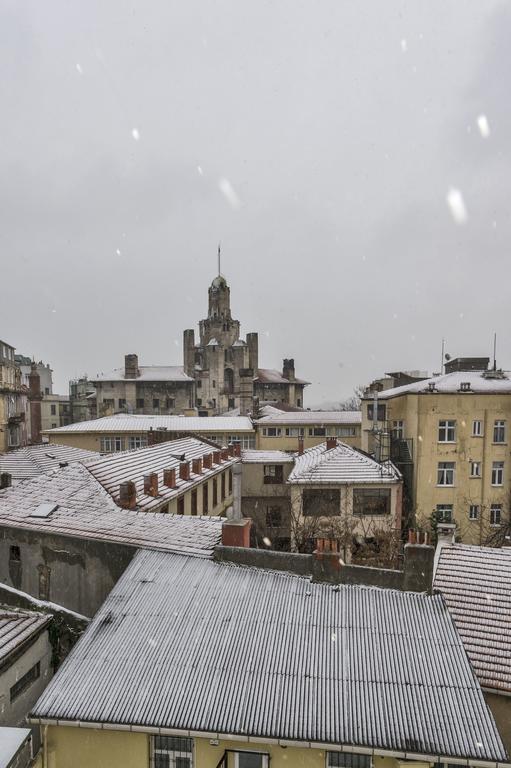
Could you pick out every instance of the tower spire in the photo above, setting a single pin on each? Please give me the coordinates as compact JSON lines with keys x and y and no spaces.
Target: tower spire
{"x":219,"y":257}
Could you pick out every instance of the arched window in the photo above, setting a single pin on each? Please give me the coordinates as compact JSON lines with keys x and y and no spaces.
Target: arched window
{"x":229,"y":380}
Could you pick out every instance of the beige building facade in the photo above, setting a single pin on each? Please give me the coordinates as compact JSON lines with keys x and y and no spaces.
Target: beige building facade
{"x":287,"y":431}
{"x":13,"y":402}
{"x":450,"y":436}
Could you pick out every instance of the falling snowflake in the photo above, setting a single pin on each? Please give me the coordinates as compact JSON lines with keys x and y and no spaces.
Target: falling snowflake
{"x":118,"y":252}
{"x":226,"y":188}
{"x":266,"y":542}
{"x":135,"y":134}
{"x":334,"y":637}
{"x":457,"y":206}
{"x":79,"y":69}
{"x":200,"y":171}
{"x":484,"y":126}
{"x":404,"y":45}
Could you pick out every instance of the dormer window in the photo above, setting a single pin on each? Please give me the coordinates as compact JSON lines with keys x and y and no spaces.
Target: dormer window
{"x":465,"y":386}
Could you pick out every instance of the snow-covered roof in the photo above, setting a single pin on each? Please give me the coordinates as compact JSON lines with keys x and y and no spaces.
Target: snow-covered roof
{"x":476,"y":585}
{"x":34,"y":459}
{"x":213,"y":343}
{"x":239,"y":343}
{"x":85,"y":510}
{"x":272,"y":376}
{"x":451,"y":382}
{"x":128,"y":422}
{"x":147,"y":373}
{"x":318,"y":418}
{"x":341,"y":464}
{"x":12,"y":741}
{"x":17,"y":627}
{"x":212,"y":648}
{"x":266,"y":457}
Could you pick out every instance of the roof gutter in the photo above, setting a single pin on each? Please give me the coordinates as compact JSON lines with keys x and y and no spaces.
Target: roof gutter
{"x":351,"y":748}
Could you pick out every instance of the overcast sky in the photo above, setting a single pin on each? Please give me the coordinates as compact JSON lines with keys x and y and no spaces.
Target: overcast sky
{"x":317,"y":140}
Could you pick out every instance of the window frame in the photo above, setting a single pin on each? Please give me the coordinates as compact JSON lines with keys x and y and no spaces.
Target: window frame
{"x":172,"y":754}
{"x":348,"y":760}
{"x":265,"y":755}
{"x":449,"y":508}
{"x":494,"y":509}
{"x":273,"y":474}
{"x":475,"y":464}
{"x":497,"y":473}
{"x":499,"y":424}
{"x":445,"y":467}
{"x":474,"y":510}
{"x":477,"y":432}
{"x":446,"y":425}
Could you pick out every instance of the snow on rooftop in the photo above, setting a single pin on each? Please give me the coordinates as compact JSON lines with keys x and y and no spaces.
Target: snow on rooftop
{"x":266,"y":457}
{"x":312,"y":417}
{"x":122,"y":422}
{"x":147,"y":373}
{"x":480,"y":382}
{"x":341,"y":464}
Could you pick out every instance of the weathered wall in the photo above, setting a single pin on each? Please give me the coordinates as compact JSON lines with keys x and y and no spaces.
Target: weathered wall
{"x":14,"y":714}
{"x":501,"y":710}
{"x":75,"y":573}
{"x":289,"y":442}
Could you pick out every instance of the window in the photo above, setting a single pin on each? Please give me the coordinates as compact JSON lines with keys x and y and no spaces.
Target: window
{"x":273,"y":517}
{"x":53,"y":425}
{"x":446,"y":473}
{"x":230,"y":481}
{"x":465,"y":386}
{"x":446,"y":431}
{"x":199,"y":384}
{"x":272,"y":432}
{"x":347,"y":760}
{"x":475,"y":469}
{"x":398,"y":430}
{"x":222,"y":486}
{"x":369,"y":501}
{"x":111,"y":444}
{"x":317,"y":431}
{"x":499,"y":432}
{"x":171,"y":402}
{"x":46,"y":390}
{"x":172,"y":752}
{"x":294,"y":431}
{"x":473,"y":512}
{"x":346,"y":431}
{"x":495,"y":514}
{"x":321,"y":502}
{"x":231,"y":403}
{"x":108,"y":402}
{"x":156,"y":402}
{"x":25,"y":681}
{"x":137,"y":441}
{"x":213,"y":384}
{"x":215,"y":492}
{"x":477,"y":428}
{"x":194,"y":501}
{"x":246,"y":441}
{"x":250,"y":760}
{"x":53,"y":410}
{"x":205,"y":501}
{"x":14,"y":555}
{"x":122,"y":402}
{"x":497,"y":473}
{"x":181,"y":505}
{"x":444,"y":513}
{"x":140,"y":402}
{"x":273,"y":474}
{"x":380,"y":413}
{"x":299,"y":402}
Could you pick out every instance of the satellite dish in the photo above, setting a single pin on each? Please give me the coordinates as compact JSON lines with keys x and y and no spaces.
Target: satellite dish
{"x":447,"y":356}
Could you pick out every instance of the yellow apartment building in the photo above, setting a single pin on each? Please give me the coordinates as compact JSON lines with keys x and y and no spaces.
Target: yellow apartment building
{"x":193,"y":663}
{"x":449,"y":435}
{"x":284,"y":431}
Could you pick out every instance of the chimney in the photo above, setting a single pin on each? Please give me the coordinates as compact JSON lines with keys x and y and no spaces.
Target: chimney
{"x":331,"y":442}
{"x":189,"y":351}
{"x":5,"y":480}
{"x":236,"y":533}
{"x":237,"y":449}
{"x":236,"y":490}
{"x":197,"y":466}
{"x":300,"y":446}
{"x":35,"y":398}
{"x":445,"y":537}
{"x":224,"y":453}
{"x":418,"y":567}
{"x":169,"y":478}
{"x":207,"y":460}
{"x":128,"y":495}
{"x":253,"y":351}
{"x":217,"y":457}
{"x":131,"y":367}
{"x":327,"y":562}
{"x":246,"y":391}
{"x":184,"y":470}
{"x":230,"y":449}
{"x":151,"y":484}
{"x":288,"y":369}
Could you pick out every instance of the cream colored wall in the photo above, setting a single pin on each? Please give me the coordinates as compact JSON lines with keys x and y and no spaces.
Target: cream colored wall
{"x":91,"y":441}
{"x":91,"y":748}
{"x":219,"y":509}
{"x":252,"y":480}
{"x":421,"y":414}
{"x":285,"y":443}
{"x":501,"y":710}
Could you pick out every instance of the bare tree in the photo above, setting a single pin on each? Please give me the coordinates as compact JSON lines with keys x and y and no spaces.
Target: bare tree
{"x":353,"y":403}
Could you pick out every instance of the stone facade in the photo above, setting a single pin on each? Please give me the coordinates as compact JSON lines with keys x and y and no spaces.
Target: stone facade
{"x":13,"y":402}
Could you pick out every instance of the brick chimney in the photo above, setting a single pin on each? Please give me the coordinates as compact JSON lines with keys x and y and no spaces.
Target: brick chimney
{"x":327,"y":562}
{"x":224,"y":453}
{"x":288,"y":369}
{"x":237,"y":449}
{"x":236,"y":533}
{"x":184,"y":470}
{"x":217,"y":457}
{"x":197,"y":466}
{"x":230,"y":449}
{"x":207,"y":461}
{"x":131,"y":367}
{"x":151,"y":484}
{"x":331,"y":442}
{"x":169,"y":478}
{"x":35,"y":398}
{"x":128,"y":495}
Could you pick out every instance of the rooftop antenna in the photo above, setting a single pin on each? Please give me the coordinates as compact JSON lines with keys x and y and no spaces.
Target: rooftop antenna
{"x":219,"y":257}
{"x":494,"y":351}
{"x":442,"y":360}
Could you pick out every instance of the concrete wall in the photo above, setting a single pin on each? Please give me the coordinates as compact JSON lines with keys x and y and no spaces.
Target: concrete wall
{"x":75,"y":573}
{"x":16,"y":666}
{"x":421,"y":415}
{"x":132,"y":390}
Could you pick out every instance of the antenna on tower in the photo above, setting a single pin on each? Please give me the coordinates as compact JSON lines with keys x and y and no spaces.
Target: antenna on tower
{"x":219,"y":256}
{"x":494,"y":351}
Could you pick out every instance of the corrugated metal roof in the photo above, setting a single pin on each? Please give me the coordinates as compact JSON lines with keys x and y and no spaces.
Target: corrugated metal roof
{"x":266,"y":457}
{"x":147,"y":373}
{"x":476,"y":585}
{"x":120,"y":423}
{"x":209,"y":647}
{"x":85,"y":510}
{"x":113,"y":469}
{"x":34,"y":459}
{"x":318,"y":418}
{"x":451,"y":382}
{"x":342,"y":464}
{"x":16,"y":627}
